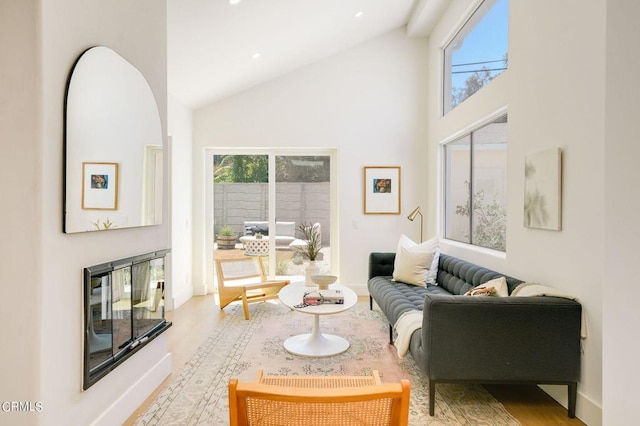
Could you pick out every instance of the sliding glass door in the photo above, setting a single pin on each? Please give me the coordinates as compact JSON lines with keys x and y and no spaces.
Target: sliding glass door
{"x":303,"y":198}
{"x":263,"y":197}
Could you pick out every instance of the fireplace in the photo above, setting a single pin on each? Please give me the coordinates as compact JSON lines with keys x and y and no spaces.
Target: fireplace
{"x":123,"y":311}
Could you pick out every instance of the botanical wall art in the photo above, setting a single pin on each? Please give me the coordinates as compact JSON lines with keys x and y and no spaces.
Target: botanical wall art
{"x":542,"y":189}
{"x":382,"y":190}
{"x":100,"y":186}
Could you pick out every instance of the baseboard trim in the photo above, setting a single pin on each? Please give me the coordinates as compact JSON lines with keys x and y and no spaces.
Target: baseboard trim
{"x":130,"y":400}
{"x":182,"y":297}
{"x":586,"y":410}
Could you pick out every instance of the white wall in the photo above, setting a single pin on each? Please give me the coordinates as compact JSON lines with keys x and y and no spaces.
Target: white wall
{"x":20,"y":217}
{"x":554,"y":91}
{"x":621,"y":205}
{"x":368,"y":102}
{"x":181,"y":201}
{"x":42,"y":280}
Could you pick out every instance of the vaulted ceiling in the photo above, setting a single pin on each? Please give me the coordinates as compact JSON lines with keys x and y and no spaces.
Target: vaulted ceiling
{"x":217,"y":49}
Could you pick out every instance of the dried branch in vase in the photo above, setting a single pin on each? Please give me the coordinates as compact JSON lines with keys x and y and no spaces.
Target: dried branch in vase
{"x":310,"y":233}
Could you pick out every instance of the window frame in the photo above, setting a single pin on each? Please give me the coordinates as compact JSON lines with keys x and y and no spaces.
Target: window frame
{"x":470,"y":17}
{"x":443,"y":174}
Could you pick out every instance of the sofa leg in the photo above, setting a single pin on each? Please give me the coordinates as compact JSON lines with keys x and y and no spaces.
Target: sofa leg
{"x":572,"y":390}
{"x":370,"y":303}
{"x":390,"y":334}
{"x":432,"y":397}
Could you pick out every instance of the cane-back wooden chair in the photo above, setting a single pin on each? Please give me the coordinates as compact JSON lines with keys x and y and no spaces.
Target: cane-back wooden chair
{"x":318,"y":401}
{"x":244,"y":279}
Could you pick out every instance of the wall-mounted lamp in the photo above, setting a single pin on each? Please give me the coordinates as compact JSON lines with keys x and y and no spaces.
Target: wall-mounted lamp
{"x":413,"y":215}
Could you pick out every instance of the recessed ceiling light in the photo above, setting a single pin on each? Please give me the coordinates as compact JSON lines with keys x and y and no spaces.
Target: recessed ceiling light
{"x":359,"y":14}
{"x":256,"y":55}
{"x":234,"y":2}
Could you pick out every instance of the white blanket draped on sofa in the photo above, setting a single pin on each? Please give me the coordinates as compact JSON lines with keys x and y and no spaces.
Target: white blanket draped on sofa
{"x":408,"y":322}
{"x":535,"y":289}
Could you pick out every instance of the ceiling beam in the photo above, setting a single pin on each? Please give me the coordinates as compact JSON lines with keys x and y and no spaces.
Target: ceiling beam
{"x":425,"y":17}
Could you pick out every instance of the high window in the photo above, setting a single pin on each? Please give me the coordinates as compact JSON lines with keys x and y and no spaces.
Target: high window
{"x":475,"y":186}
{"x":477,"y":54}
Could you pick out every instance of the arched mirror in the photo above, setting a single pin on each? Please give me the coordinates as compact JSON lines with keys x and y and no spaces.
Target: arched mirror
{"x":113,"y":143}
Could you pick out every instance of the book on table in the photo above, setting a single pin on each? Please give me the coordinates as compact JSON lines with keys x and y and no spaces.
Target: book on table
{"x":319,"y":297}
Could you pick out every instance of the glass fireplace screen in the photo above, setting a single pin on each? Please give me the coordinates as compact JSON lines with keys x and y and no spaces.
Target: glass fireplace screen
{"x":124,"y":310}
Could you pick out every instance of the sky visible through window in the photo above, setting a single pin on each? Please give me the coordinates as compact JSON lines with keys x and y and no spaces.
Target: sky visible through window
{"x":486,"y":43}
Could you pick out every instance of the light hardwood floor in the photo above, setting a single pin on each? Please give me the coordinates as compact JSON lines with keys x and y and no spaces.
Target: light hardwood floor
{"x":193,"y":321}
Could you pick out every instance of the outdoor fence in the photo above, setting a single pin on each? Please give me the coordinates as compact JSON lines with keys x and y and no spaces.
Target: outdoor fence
{"x":235,"y":203}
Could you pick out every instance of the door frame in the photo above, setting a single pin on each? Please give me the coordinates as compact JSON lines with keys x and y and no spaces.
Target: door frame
{"x":272,"y":153}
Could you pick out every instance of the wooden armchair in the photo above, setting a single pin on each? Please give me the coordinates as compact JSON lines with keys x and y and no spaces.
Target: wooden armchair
{"x":318,"y":401}
{"x":244,"y":279}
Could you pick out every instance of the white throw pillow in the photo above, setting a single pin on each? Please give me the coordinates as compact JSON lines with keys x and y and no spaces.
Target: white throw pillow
{"x":433,"y":271}
{"x":429,"y":246}
{"x":498,"y":284}
{"x":411,"y":266}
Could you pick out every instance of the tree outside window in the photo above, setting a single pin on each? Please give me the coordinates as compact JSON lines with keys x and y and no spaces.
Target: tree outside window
{"x":475,"y":186}
{"x":477,"y":54}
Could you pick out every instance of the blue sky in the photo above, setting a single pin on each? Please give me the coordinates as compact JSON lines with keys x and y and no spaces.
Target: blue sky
{"x":488,"y":41}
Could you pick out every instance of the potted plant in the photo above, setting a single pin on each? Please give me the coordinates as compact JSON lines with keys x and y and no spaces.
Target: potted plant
{"x":226,"y":238}
{"x":310,"y":234}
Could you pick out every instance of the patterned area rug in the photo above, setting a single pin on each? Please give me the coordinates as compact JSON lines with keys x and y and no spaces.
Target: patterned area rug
{"x":238,"y":348}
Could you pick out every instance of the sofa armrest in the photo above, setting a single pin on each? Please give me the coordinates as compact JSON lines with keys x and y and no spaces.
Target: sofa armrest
{"x":381,"y":264}
{"x":501,"y":338}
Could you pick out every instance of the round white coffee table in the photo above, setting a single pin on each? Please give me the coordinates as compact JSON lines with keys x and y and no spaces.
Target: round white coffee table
{"x":316,"y":344}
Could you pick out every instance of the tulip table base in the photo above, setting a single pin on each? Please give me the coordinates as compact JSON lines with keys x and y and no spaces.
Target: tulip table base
{"x":316,"y":344}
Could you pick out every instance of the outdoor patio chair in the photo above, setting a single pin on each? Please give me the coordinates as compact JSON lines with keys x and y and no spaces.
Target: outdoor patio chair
{"x":318,"y":401}
{"x":244,"y":279}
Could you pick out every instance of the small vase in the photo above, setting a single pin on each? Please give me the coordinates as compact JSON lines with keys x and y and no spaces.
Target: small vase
{"x":310,"y":271}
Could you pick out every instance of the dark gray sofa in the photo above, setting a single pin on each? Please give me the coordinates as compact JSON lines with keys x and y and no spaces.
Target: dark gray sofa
{"x":482,"y":339}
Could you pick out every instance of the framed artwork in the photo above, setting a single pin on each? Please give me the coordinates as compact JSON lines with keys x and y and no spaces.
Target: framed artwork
{"x":100,"y":186}
{"x":382,"y":190}
{"x":542,"y":190}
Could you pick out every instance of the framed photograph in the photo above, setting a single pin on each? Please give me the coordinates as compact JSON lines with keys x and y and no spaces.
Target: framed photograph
{"x":542,"y":189}
{"x":382,"y":190}
{"x":100,"y":186}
